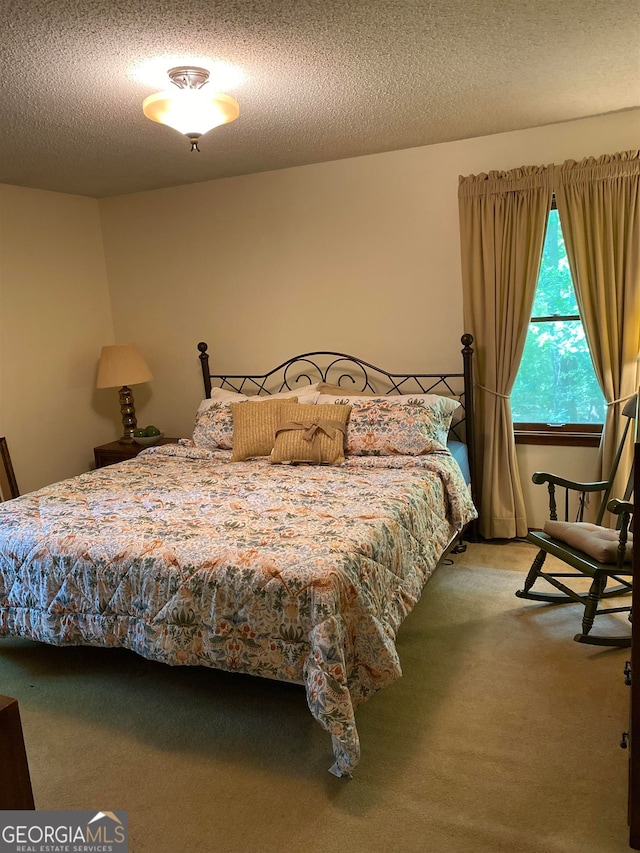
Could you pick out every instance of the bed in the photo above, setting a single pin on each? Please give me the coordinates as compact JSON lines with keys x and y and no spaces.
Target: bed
{"x":287,"y":538}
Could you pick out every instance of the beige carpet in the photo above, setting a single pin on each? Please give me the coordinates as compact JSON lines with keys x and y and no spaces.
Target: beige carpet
{"x":502,"y":737}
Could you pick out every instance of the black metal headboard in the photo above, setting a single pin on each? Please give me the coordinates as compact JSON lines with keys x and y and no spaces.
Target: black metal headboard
{"x":354,"y":374}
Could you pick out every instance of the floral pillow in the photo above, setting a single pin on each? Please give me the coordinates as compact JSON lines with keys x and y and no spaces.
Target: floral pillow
{"x":402,"y":424}
{"x":214,"y":425}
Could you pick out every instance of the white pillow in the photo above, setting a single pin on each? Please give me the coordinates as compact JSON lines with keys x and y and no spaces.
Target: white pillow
{"x":222,"y":395}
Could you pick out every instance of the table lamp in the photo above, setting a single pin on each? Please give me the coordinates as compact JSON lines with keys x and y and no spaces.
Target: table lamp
{"x":123,"y":365}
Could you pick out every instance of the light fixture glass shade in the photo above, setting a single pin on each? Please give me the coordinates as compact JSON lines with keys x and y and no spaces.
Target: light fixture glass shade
{"x":191,"y":111}
{"x":122,"y":364}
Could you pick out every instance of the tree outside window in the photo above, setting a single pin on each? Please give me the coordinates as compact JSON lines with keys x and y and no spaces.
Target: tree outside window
{"x":556,"y":383}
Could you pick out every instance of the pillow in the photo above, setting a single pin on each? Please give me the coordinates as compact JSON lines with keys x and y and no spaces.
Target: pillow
{"x":223,"y":395}
{"x":340,"y":391}
{"x":404,"y":424}
{"x":214,"y":422}
{"x":308,"y":393}
{"x":254,"y":427}
{"x":601,"y":543}
{"x":432,"y":400}
{"x":311,"y":433}
{"x":214,"y":425}
{"x":226,"y":396}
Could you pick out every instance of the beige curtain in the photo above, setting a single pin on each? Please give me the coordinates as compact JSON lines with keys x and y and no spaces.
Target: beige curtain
{"x":599,"y":207}
{"x":503,"y":217}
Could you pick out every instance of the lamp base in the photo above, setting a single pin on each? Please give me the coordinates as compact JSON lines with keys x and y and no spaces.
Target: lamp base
{"x":128,"y":412}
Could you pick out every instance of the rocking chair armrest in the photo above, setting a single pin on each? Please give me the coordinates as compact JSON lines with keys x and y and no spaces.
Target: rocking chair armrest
{"x":624,"y":511}
{"x":618,"y":507}
{"x":541,"y":477}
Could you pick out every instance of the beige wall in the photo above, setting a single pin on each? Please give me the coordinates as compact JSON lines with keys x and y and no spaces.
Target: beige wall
{"x":358,"y":255}
{"x":54,"y":316}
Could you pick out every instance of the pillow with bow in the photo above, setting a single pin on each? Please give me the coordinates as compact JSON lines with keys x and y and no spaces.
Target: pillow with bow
{"x":311,"y":433}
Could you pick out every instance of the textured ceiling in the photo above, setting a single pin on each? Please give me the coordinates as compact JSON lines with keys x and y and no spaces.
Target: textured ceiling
{"x":321,"y":80}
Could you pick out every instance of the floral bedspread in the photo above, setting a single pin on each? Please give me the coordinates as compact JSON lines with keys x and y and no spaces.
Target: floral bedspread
{"x":298,"y":573}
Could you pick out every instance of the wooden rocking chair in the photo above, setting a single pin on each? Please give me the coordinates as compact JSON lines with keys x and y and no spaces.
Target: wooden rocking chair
{"x":584,"y":547}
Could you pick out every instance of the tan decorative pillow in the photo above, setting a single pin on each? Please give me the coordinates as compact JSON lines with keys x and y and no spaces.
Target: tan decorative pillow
{"x":601,"y":543}
{"x":254,"y":427}
{"x":311,"y":433}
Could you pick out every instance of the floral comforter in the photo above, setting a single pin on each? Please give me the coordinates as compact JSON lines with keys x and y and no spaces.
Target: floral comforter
{"x":298,"y":573}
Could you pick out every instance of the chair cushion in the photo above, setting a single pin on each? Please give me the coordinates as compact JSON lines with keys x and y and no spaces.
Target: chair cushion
{"x":601,"y":543}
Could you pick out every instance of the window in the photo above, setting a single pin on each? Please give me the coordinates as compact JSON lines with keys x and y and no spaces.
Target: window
{"x":556,"y":397}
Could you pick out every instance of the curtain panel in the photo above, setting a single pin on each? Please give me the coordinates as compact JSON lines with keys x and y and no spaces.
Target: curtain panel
{"x":598,"y":203}
{"x":503,"y":217}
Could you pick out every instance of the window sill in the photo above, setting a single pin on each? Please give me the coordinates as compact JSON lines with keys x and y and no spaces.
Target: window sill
{"x":565,"y":436}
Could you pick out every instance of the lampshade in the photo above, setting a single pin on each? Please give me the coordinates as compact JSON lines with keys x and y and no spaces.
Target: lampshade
{"x":120,"y":365}
{"x":191,"y":109}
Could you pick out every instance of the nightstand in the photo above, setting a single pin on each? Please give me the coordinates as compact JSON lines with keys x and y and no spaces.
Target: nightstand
{"x":109,"y":454}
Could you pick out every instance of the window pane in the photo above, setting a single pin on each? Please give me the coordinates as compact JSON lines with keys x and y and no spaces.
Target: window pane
{"x":556,"y":382}
{"x":555,"y":293}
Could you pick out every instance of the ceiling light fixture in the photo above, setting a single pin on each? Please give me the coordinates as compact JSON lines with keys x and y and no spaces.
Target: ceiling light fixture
{"x":190,"y":109}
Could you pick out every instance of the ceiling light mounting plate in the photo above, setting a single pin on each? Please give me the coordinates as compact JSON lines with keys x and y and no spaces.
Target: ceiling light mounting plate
{"x":189,"y":76}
